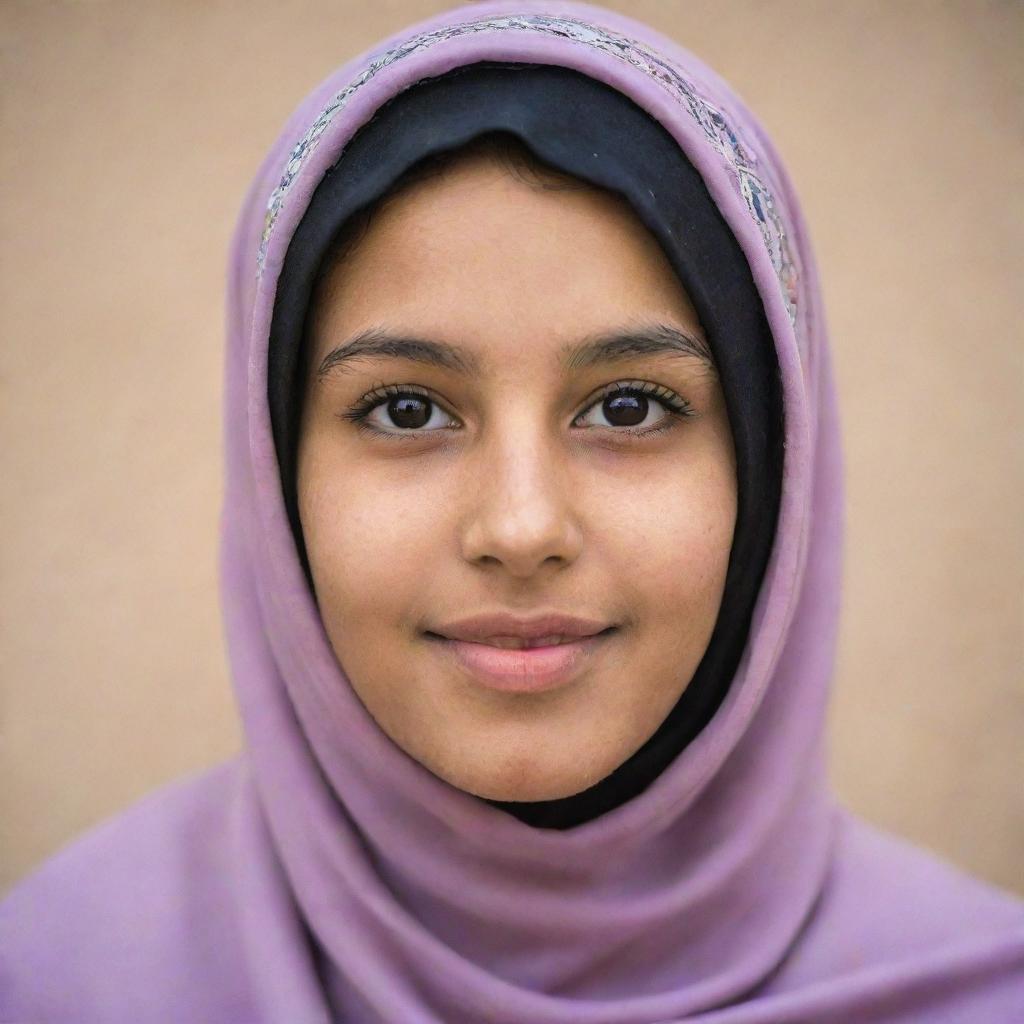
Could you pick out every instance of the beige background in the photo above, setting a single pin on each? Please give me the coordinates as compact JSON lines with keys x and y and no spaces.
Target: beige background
{"x":131,"y":131}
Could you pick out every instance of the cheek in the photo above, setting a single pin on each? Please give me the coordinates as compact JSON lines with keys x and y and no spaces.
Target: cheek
{"x":374,"y":537}
{"x":368,"y":541}
{"x":680,"y":549}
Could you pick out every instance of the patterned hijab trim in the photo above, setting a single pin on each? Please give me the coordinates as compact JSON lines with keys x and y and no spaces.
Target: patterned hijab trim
{"x":725,"y":138}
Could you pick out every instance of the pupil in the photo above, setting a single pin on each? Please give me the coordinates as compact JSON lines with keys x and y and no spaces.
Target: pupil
{"x":407,"y":411}
{"x":632,"y":407}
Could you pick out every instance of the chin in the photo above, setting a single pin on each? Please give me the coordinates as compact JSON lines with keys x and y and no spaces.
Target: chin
{"x":515,"y":782}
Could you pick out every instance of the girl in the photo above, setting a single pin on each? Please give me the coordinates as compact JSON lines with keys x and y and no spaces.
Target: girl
{"x":530,"y":575}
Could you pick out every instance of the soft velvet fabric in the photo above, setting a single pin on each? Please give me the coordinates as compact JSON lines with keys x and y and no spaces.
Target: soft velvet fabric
{"x":323,"y":875}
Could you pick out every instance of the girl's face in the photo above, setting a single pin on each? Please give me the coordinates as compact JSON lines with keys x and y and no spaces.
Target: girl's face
{"x":509,"y":475}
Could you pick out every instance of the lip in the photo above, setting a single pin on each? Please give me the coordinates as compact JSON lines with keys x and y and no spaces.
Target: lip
{"x":482,"y":628}
{"x":527,"y":670}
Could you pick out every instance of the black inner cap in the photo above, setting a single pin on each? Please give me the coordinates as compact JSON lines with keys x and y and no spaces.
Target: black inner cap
{"x":587,"y":129}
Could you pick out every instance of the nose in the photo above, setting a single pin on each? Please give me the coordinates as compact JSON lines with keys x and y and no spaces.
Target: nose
{"x":521,"y":514}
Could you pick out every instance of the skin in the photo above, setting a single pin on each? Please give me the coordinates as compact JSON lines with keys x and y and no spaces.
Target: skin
{"x":534,"y":498}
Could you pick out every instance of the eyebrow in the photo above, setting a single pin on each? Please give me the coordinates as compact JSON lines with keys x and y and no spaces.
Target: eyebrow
{"x":619,"y":345}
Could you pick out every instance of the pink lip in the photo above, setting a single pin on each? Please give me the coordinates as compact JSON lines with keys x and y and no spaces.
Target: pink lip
{"x":528,"y":670}
{"x":484,"y":627}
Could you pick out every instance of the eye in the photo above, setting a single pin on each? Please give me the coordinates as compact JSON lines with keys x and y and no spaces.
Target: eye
{"x":628,"y":405}
{"x":407,"y":410}
{"x":404,"y":409}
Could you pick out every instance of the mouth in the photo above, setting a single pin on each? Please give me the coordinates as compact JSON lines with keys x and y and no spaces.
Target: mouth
{"x":517,"y":665}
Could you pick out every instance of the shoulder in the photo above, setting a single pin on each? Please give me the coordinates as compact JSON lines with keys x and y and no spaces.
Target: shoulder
{"x":889,"y":909}
{"x":919,"y":898}
{"x":146,"y":886}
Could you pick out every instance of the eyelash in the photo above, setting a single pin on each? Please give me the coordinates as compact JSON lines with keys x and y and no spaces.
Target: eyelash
{"x":675,"y":405}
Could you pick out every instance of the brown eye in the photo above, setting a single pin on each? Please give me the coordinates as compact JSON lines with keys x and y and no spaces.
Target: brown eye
{"x":628,"y":405}
{"x":624,"y":409}
{"x":398,"y":411}
{"x":409,"y":411}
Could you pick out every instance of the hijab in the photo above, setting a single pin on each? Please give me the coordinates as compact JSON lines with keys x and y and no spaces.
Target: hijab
{"x":324,"y":875}
{"x":584,"y":128}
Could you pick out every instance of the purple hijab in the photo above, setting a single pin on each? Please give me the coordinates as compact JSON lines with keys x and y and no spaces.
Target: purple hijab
{"x":324,"y":875}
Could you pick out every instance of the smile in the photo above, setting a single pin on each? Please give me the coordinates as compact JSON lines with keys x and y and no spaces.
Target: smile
{"x":516,"y":665}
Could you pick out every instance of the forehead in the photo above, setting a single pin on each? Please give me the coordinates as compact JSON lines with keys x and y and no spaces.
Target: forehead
{"x":478,"y":251}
